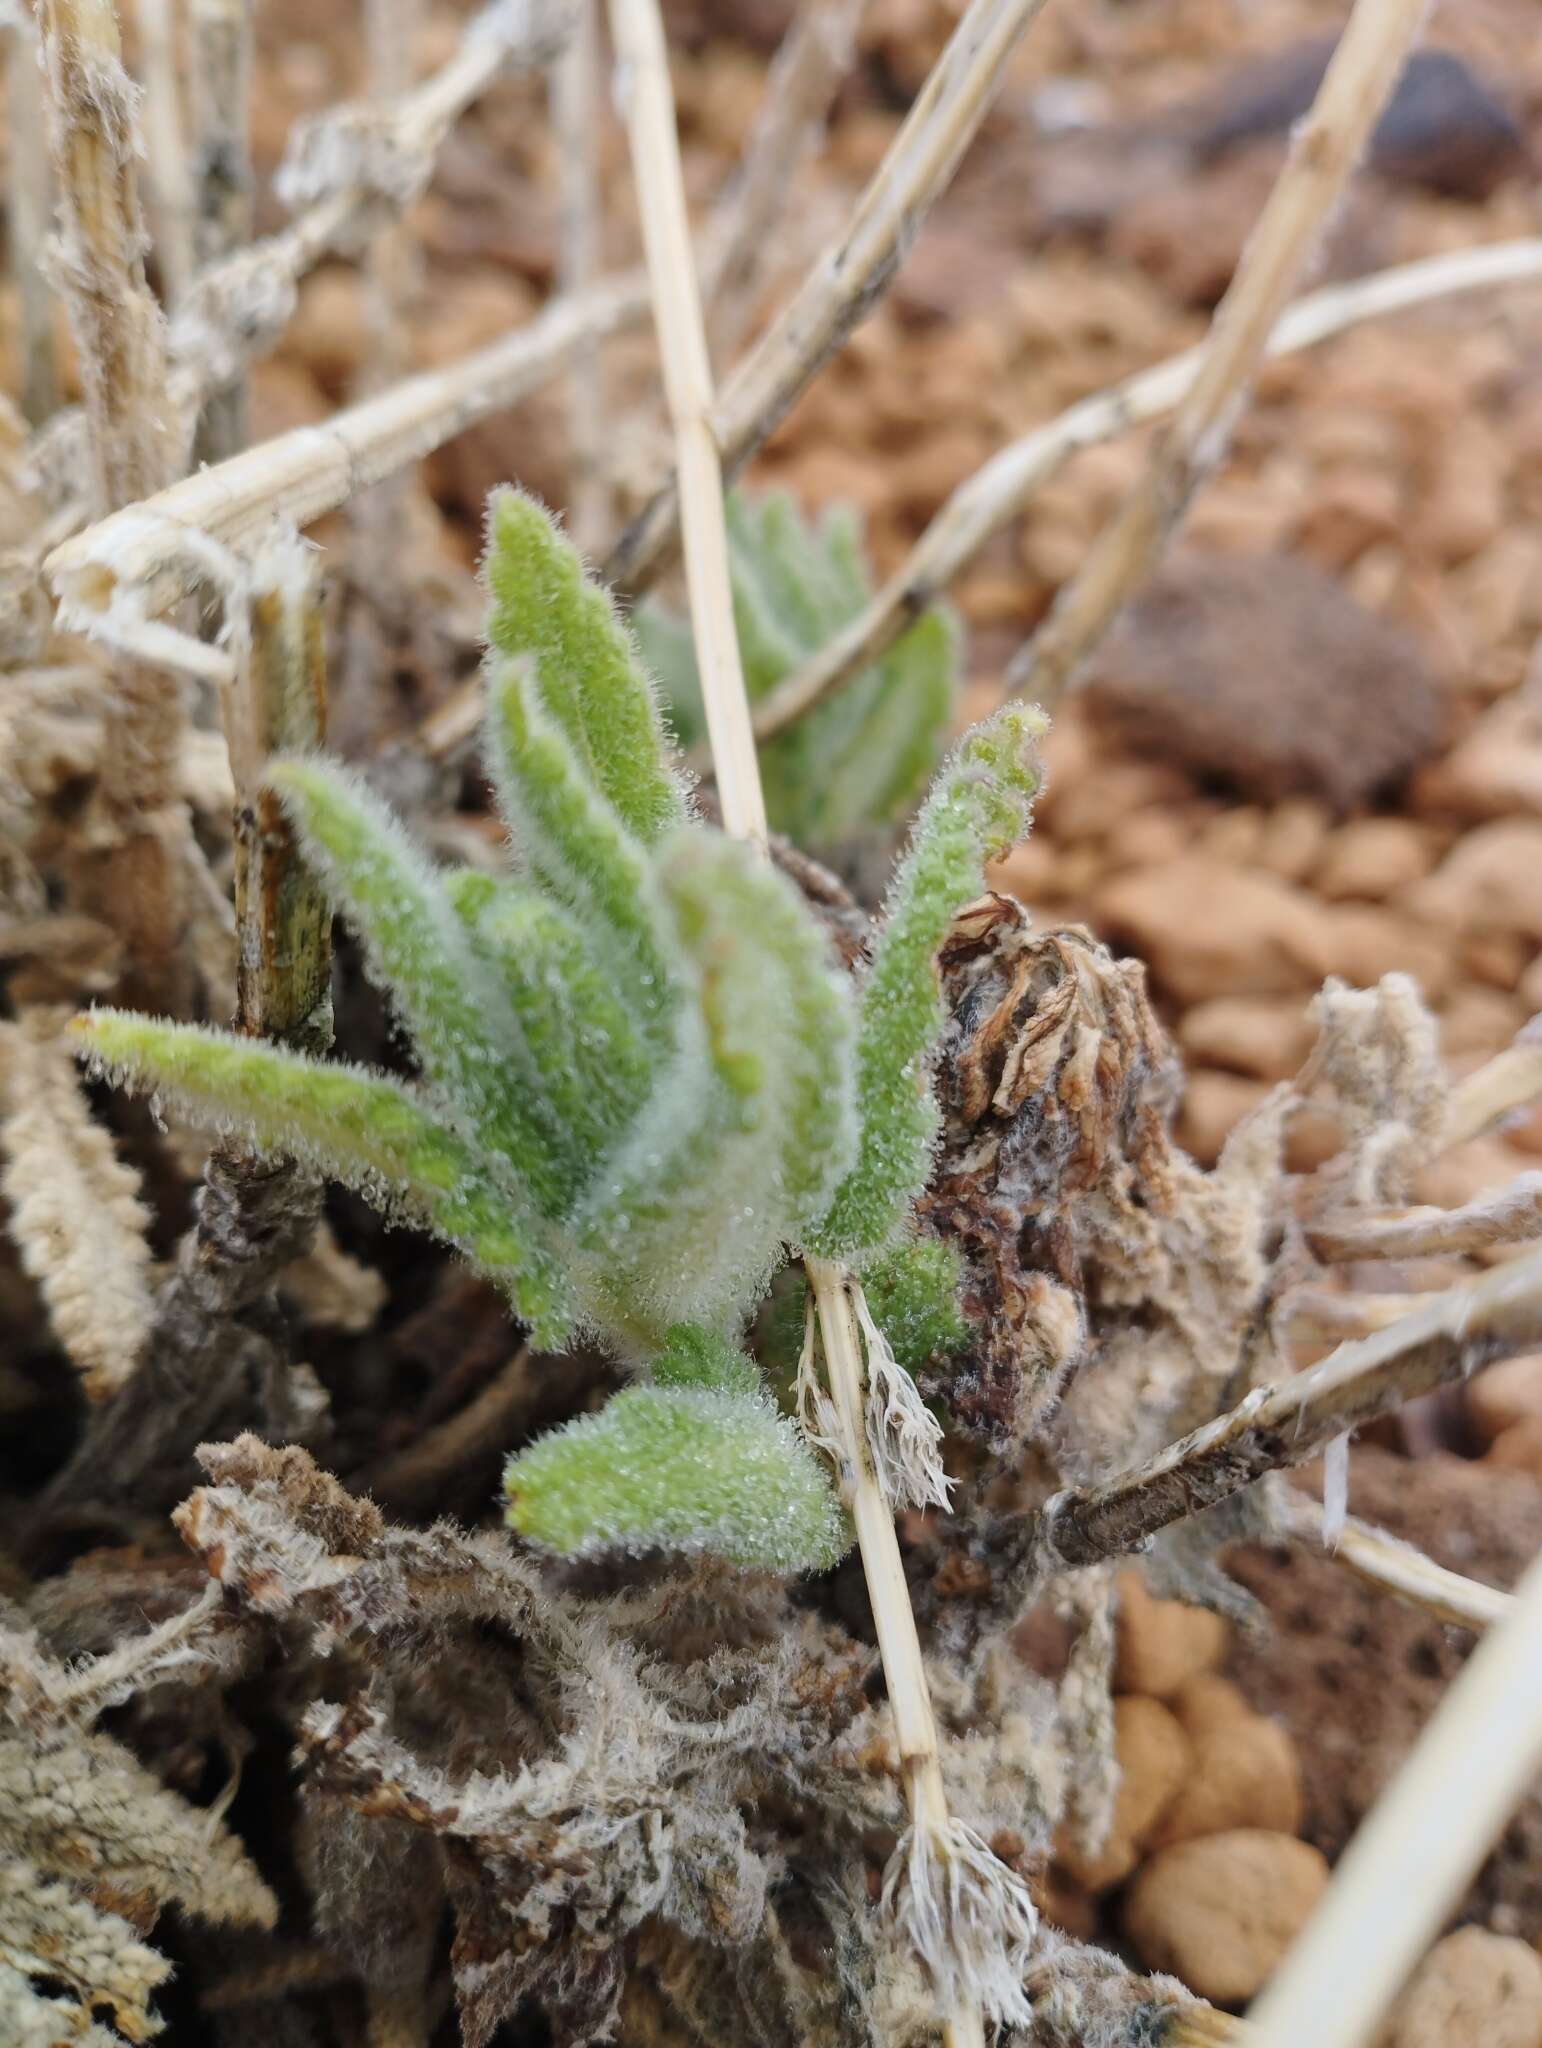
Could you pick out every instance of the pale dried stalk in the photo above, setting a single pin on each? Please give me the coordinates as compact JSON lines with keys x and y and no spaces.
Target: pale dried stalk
{"x":134,"y":874}
{"x":1396,"y":1567}
{"x":283,"y":921}
{"x":1507,"y":1215}
{"x":814,"y":57}
{"x":1508,"y":1082}
{"x":76,"y":1216}
{"x":1453,"y":1335}
{"x":29,"y":215}
{"x":643,"y":72}
{"x":1405,"y":1870}
{"x":1324,"y":150}
{"x":166,"y":157}
{"x":649,"y":107}
{"x":1320,"y":1313}
{"x":1002,"y":487}
{"x":220,"y":39}
{"x":576,"y":113}
{"x":849,"y":278}
{"x":119,"y":574}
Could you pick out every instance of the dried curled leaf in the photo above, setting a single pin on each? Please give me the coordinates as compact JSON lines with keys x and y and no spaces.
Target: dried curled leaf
{"x":76,"y":1215}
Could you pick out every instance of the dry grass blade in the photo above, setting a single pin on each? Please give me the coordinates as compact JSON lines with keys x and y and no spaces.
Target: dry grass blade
{"x":220,"y":42}
{"x":576,"y":106}
{"x":166,"y":156}
{"x":850,"y":276}
{"x":1509,"y":1081}
{"x":1324,"y":151}
{"x":1456,"y":1333}
{"x":1398,"y":1568}
{"x":1000,"y":489}
{"x":1405,"y":1870}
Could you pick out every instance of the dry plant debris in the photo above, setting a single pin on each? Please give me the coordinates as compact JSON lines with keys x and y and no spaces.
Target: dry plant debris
{"x":1189,"y":1139}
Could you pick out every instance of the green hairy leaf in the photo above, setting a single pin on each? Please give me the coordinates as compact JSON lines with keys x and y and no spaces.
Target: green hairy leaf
{"x":680,"y":1468}
{"x":979,"y":806}
{"x":862,"y":756}
{"x":645,"y":1079}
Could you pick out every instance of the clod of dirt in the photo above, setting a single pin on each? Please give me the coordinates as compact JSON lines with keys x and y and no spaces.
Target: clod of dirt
{"x":1208,"y":931}
{"x":1245,"y":1774}
{"x":1444,"y":128}
{"x":1354,"y":1675}
{"x":1504,"y":1395}
{"x":1263,"y":673}
{"x":1154,"y":1760}
{"x":1161,"y":1644}
{"x":1221,"y":1912}
{"x":1473,"y":1990}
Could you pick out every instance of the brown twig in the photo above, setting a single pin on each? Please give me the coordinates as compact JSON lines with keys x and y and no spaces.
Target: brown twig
{"x":1324,"y":150}
{"x":1453,"y":1336}
{"x":849,"y":277}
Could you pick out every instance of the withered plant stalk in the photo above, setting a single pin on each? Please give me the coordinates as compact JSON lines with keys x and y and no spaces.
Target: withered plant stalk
{"x":220,"y":48}
{"x":1364,"y":68}
{"x":166,"y":156}
{"x":650,"y":115}
{"x":133,"y":874}
{"x":576,"y":111}
{"x":29,"y":215}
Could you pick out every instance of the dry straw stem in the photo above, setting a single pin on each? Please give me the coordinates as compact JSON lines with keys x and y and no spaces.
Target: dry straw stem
{"x":1405,"y":1870}
{"x":166,"y":156}
{"x":29,"y":216}
{"x":649,"y":106}
{"x":643,"y":70}
{"x":1324,"y":151}
{"x":851,"y":275}
{"x":1451,"y":1336}
{"x":576,"y":112}
{"x":815,"y":56}
{"x":1501,"y":1216}
{"x":134,"y":874}
{"x":1395,"y":1567}
{"x":116,"y":576}
{"x":1002,"y":487}
{"x":220,"y":50}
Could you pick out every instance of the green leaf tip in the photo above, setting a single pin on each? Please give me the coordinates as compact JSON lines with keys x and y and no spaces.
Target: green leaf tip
{"x":591,"y":676}
{"x":861,"y":756}
{"x":979,"y":806}
{"x":364,"y":1129}
{"x":684,"y":1468}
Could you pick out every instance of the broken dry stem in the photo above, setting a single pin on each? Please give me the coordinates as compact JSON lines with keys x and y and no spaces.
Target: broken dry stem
{"x":576,"y":108}
{"x":1455,"y":1334}
{"x":1416,"y":1852}
{"x":1003,"y":487}
{"x":641,"y":50}
{"x":220,"y":51}
{"x":1398,"y":1568}
{"x":166,"y":155}
{"x":852,"y":274}
{"x":1325,"y":148}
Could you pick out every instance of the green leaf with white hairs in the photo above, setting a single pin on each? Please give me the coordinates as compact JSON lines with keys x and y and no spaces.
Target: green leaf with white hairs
{"x":739,"y":1150}
{"x":363,"y":1129}
{"x":591,"y":678}
{"x":979,"y":807}
{"x":416,"y":949}
{"x":694,"y":1357}
{"x":680,"y":1468}
{"x":575,"y":842}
